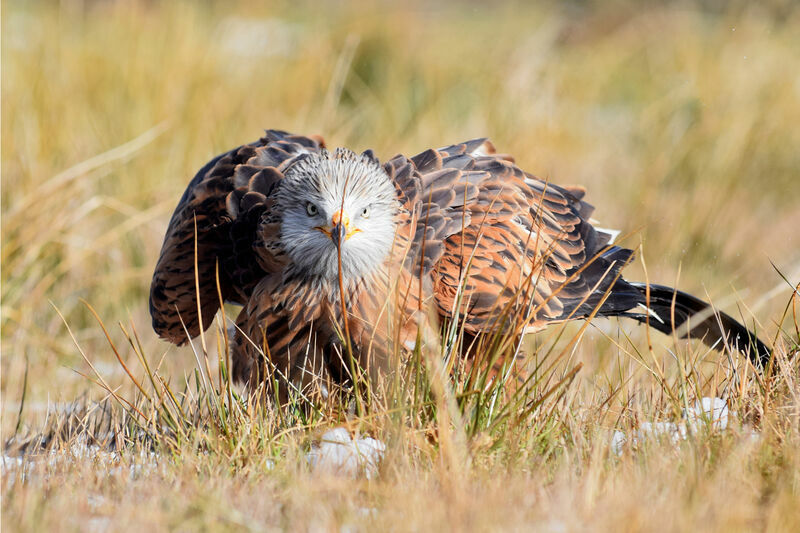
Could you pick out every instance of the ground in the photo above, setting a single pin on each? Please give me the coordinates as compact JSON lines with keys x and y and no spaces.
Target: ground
{"x":680,"y":120}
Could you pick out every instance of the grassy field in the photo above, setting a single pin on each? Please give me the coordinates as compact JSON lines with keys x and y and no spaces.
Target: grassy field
{"x":681,"y":120}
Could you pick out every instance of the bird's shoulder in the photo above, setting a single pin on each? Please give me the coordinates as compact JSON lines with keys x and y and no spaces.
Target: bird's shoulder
{"x":213,"y":231}
{"x":451,"y":188}
{"x":255,"y":226}
{"x":476,"y":206}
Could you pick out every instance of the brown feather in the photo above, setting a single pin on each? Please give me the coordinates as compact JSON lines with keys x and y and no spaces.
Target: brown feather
{"x":477,"y":238}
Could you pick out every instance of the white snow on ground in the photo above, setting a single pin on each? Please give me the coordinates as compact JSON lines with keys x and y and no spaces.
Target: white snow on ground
{"x":706,"y":413}
{"x":337,"y":454}
{"x":711,"y":411}
{"x":341,"y":455}
{"x":22,"y":467}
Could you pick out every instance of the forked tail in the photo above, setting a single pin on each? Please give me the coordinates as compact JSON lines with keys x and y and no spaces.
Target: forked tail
{"x":670,"y":310}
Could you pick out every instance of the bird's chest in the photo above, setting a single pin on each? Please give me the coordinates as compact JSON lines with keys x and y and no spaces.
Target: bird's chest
{"x":380,"y":317}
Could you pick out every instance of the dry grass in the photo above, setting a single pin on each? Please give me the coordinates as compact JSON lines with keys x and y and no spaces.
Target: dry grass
{"x":680,"y":120}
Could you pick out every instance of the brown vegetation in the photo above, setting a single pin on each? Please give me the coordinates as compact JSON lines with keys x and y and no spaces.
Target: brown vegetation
{"x":681,"y":120}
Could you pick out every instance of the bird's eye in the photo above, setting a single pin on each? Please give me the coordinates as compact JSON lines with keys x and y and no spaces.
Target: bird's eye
{"x":365,"y":212}
{"x":311,"y":209}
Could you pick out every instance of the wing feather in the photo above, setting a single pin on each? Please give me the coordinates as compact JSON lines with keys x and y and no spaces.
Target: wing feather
{"x":220,"y":211}
{"x":509,"y":240}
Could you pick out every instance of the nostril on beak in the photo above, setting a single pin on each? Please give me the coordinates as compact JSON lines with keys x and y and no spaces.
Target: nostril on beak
{"x":338,"y":234}
{"x":340,"y":223}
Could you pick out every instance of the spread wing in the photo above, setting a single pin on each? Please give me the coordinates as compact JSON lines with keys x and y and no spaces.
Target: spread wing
{"x":497,"y":241}
{"x":213,"y":229}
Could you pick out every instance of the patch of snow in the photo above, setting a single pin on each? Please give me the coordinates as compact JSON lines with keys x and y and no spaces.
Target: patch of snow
{"x":22,"y":467}
{"x":618,"y":440}
{"x":670,"y":430}
{"x":339,"y":454}
{"x":711,"y":411}
{"x":706,"y":413}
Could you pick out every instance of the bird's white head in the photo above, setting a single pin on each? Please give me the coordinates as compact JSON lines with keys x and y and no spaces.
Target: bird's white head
{"x":337,"y":201}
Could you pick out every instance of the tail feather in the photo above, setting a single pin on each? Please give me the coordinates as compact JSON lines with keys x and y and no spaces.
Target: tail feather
{"x":670,"y":310}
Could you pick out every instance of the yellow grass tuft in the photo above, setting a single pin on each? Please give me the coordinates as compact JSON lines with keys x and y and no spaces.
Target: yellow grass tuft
{"x":681,"y":121}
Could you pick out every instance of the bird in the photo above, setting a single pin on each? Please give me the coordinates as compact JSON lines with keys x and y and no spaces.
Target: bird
{"x":338,"y":258}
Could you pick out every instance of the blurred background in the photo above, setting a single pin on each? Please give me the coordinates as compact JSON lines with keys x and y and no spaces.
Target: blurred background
{"x":681,"y":119}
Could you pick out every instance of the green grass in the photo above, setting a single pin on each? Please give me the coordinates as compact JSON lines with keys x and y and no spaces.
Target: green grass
{"x":680,"y":119}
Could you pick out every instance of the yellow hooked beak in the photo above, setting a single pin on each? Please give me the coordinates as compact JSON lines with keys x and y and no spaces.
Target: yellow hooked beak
{"x":339,"y":228}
